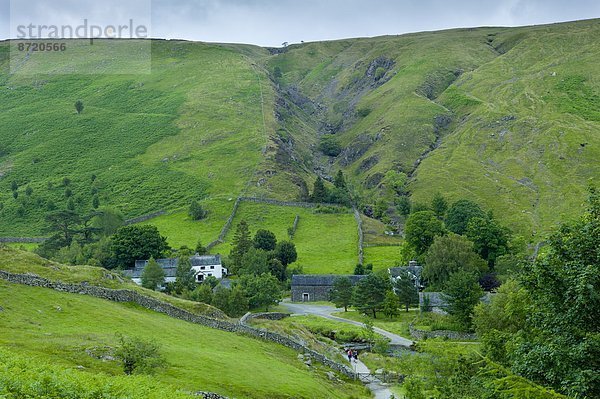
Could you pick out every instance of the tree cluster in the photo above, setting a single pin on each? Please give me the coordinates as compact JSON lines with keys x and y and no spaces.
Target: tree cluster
{"x":260,"y":254}
{"x":338,"y":194}
{"x":374,"y":293}
{"x":545,"y":325}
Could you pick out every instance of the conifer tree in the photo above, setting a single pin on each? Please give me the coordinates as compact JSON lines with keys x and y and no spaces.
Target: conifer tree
{"x":320,"y":193}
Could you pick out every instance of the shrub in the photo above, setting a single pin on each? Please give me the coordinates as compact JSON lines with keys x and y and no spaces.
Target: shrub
{"x":363,"y":112}
{"x":196,"y":212}
{"x":138,"y":355}
{"x":79,"y":106}
{"x":329,"y":146}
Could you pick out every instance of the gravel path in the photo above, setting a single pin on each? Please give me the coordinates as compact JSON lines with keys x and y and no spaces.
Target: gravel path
{"x":379,"y":389}
{"x":326,"y":312}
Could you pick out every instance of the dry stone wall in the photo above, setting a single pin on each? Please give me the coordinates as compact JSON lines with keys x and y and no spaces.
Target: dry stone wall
{"x":291,"y":343}
{"x":455,"y":335}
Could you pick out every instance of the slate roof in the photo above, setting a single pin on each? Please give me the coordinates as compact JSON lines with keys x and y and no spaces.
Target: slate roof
{"x":205,"y":260}
{"x":320,"y":280}
{"x":224,"y":283}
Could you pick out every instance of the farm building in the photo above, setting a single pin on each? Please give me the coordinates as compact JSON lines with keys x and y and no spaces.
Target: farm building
{"x":202,"y":265}
{"x":315,"y":287}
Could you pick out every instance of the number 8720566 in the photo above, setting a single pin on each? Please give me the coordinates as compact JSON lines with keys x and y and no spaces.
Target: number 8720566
{"x":39,"y":47}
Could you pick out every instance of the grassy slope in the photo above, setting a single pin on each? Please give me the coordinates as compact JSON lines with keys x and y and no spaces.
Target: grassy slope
{"x":533,"y":170}
{"x":192,"y":129}
{"x":21,"y":262}
{"x":228,"y":362}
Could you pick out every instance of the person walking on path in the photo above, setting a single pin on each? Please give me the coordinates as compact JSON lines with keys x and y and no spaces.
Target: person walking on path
{"x":355,"y":355}
{"x":349,"y":353}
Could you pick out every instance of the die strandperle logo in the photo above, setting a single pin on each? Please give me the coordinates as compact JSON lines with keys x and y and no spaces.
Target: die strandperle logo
{"x":131,"y":30}
{"x":91,"y":40}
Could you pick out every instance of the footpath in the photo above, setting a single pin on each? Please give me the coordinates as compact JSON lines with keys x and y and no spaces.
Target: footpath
{"x":379,"y":389}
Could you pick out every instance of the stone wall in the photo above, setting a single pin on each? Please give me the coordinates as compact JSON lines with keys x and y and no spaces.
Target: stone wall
{"x":226,"y":227}
{"x":143,"y":218}
{"x":296,"y":204}
{"x":422,"y":334}
{"x":172,"y":311}
{"x":316,"y":293}
{"x":437,"y":303}
{"x":292,"y":343}
{"x":361,"y":256}
{"x":265,"y":316}
{"x":23,"y":239}
{"x":295,"y":226}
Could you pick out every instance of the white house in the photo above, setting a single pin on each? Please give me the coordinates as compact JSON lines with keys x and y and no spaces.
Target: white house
{"x":203,"y":266}
{"x":206,"y":266}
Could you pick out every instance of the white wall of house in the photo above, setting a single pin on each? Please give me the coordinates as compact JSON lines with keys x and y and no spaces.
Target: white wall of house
{"x":202,"y":272}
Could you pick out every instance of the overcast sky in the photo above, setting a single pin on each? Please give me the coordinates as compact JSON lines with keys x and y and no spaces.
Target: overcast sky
{"x":271,"y":22}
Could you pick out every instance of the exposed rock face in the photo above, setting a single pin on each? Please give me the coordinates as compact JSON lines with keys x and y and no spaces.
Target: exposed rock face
{"x":369,"y":163}
{"x":382,"y":64}
{"x":357,"y":148}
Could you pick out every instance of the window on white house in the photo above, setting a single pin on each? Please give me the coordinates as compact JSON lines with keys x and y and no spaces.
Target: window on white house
{"x":212,"y":267}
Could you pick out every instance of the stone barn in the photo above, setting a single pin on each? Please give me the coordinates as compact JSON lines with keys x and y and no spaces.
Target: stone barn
{"x":315,"y":287}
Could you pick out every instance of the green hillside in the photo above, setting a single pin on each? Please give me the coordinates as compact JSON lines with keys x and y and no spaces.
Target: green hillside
{"x":198,"y":358}
{"x":194,"y":128}
{"x":507,"y":117}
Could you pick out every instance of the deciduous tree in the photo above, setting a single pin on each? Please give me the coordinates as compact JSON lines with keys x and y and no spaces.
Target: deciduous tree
{"x":262,"y":290}
{"x":79,"y":106}
{"x":131,"y":243}
{"x":490,"y":239}
{"x":153,"y":276}
{"x":421,"y":229}
{"x":184,"y":275}
{"x":196,"y":212}
{"x":459,"y":214}
{"x":138,"y":355}
{"x":439,"y":205}
{"x":390,"y":305}
{"x":286,"y":252}
{"x":265,"y":240}
{"x":461,"y":293}
{"x":560,"y":346}
{"x":449,"y":254}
